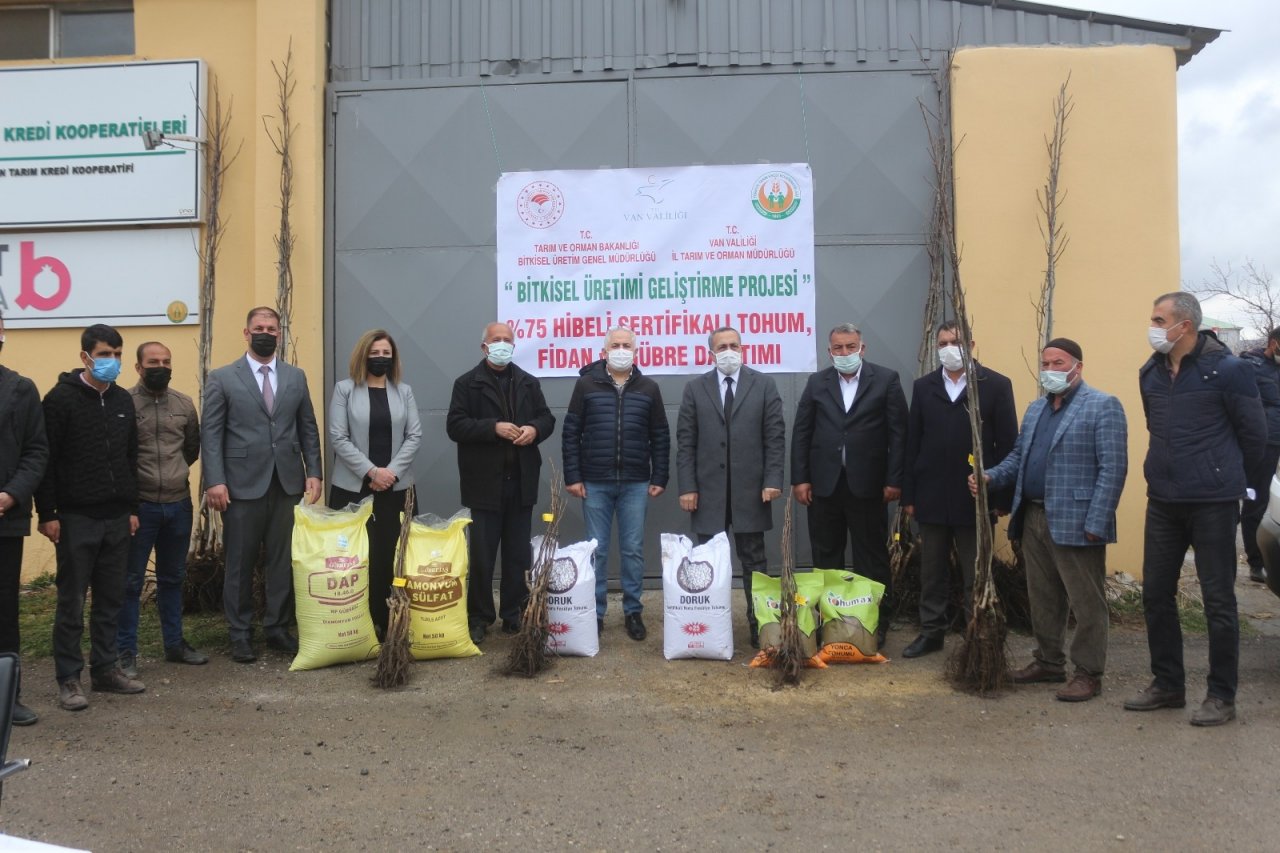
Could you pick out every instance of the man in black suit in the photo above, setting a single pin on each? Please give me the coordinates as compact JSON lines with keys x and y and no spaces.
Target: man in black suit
{"x":847,"y":453}
{"x":935,"y":489}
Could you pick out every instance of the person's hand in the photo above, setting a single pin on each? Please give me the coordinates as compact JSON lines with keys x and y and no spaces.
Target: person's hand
{"x":578,"y":490}
{"x":891,"y":494}
{"x":973,"y":483}
{"x":133,"y":525}
{"x":381,"y":479}
{"x":217,"y":498}
{"x":6,"y":502}
{"x":527,"y":435}
{"x":1001,"y":513}
{"x":313,"y":489}
{"x":1091,"y":537}
{"x":910,"y":510}
{"x":689,"y":501}
{"x":654,"y":491}
{"x":51,"y":530}
{"x":767,"y":495}
{"x":803,"y":493}
{"x":506,"y":430}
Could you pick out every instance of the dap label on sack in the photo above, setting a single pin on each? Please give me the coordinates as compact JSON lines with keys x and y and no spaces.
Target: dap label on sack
{"x":339,"y":583}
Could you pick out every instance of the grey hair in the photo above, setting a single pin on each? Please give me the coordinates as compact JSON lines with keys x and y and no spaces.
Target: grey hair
{"x":1185,"y":307}
{"x":612,"y":329}
{"x":845,"y":328}
{"x":711,"y":337}
{"x":484,"y":333}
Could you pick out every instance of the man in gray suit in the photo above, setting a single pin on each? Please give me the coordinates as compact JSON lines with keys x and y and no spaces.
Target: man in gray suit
{"x":259,"y":439}
{"x":730,"y":446}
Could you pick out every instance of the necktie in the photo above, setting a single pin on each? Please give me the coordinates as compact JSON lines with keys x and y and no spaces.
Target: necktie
{"x":268,"y":396}
{"x":728,"y":397}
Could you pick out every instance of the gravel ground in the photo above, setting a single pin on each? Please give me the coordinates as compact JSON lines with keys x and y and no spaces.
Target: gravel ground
{"x":627,"y":751}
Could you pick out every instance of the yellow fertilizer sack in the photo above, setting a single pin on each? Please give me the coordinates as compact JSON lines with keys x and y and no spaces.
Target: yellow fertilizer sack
{"x":331,"y":585}
{"x":435,"y":575}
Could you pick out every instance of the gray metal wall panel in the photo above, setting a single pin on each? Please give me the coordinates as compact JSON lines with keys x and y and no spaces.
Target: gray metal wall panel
{"x":383,"y":39}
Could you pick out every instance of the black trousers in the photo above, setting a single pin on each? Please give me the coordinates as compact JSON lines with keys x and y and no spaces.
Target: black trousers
{"x":267,"y":523}
{"x":935,"y":573}
{"x":509,"y":528}
{"x":1251,"y":512}
{"x":864,"y":523}
{"x":10,"y":583}
{"x":384,"y":530}
{"x":92,"y":552}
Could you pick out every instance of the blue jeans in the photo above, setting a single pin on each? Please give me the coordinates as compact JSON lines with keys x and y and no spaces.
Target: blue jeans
{"x":166,"y":528}
{"x":628,"y":501}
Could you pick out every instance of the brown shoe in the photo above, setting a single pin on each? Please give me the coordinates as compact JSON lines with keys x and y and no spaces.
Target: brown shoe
{"x":1214,"y":712}
{"x":116,"y":681}
{"x":1036,"y":673}
{"x":71,"y":695}
{"x":1081,"y":688}
{"x":1153,"y":698}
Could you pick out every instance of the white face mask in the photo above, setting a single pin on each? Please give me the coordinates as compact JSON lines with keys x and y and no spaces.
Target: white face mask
{"x":1056,"y":381}
{"x":951,"y":357}
{"x":847,"y":364}
{"x":1158,"y":338}
{"x":728,"y":361}
{"x":500,"y":353}
{"x":620,"y":359}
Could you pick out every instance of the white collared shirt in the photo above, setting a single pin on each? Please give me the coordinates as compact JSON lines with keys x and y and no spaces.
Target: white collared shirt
{"x":954,"y":387}
{"x":849,"y":387}
{"x":271,"y":372}
{"x":724,"y":385}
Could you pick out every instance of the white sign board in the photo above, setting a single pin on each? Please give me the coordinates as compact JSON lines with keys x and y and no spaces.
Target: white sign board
{"x":138,"y":277}
{"x":71,"y":149}
{"x":671,"y":253}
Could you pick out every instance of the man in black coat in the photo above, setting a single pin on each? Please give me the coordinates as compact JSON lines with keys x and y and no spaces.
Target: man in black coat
{"x":88,"y":505}
{"x":847,"y":452}
{"x":935,"y":488}
{"x":1266,"y":372}
{"x":24,"y":453}
{"x":498,"y":417}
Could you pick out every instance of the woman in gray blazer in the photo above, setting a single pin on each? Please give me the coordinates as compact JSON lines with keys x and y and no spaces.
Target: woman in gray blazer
{"x":374,"y":433}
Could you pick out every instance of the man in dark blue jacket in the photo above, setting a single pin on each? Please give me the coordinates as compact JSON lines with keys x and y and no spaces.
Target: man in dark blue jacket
{"x":617,"y":448}
{"x":1208,"y":432}
{"x":1266,"y":372}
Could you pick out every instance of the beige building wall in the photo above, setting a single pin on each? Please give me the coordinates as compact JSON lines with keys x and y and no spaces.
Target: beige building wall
{"x":1119,"y":173}
{"x":238,"y":40}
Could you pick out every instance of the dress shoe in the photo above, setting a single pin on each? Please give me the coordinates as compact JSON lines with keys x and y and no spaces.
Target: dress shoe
{"x":923,"y":645}
{"x":115,"y":681}
{"x":242,"y":651}
{"x":1214,"y":712}
{"x":128,"y":664}
{"x":1037,"y":673}
{"x":1081,"y":688}
{"x":1257,"y":574}
{"x":184,"y":653}
{"x":477,"y":633}
{"x":510,"y":628}
{"x":22,"y":715}
{"x":71,"y":695}
{"x":283,"y":643}
{"x":635,"y":627}
{"x":1154,"y":698}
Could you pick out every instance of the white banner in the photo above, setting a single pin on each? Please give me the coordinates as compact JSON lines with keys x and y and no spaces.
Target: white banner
{"x":671,"y":253}
{"x":78,"y":278}
{"x":71,"y":150}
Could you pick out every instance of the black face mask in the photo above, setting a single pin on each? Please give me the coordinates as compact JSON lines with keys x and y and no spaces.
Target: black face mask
{"x":156,"y":378}
{"x":378,"y":365}
{"x":263,"y":344}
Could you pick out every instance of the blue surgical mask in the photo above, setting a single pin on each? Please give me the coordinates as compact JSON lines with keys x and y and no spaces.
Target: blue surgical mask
{"x":105,"y":369}
{"x":847,"y":364}
{"x":500,"y":353}
{"x":1055,"y":381}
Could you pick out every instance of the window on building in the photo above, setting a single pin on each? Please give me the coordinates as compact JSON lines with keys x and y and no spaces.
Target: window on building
{"x":57,"y":30}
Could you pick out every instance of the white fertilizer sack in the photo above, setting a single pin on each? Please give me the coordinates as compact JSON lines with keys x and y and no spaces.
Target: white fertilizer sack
{"x":697,"y":591}
{"x":571,"y":600}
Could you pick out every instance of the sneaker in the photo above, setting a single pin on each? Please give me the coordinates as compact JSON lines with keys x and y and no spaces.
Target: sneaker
{"x":22,"y":715}
{"x":128,"y":664}
{"x":1214,"y":712}
{"x":183,"y":653}
{"x":115,"y":681}
{"x":635,"y":627}
{"x":71,"y":695}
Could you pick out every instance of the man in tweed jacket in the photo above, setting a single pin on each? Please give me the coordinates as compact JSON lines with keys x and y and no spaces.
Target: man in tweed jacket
{"x":1068,"y":467}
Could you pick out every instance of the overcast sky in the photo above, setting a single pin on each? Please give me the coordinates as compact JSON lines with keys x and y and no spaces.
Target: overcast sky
{"x":1228,"y":132}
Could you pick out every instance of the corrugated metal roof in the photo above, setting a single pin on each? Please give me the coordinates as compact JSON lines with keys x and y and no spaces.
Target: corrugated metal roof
{"x":416,"y":39}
